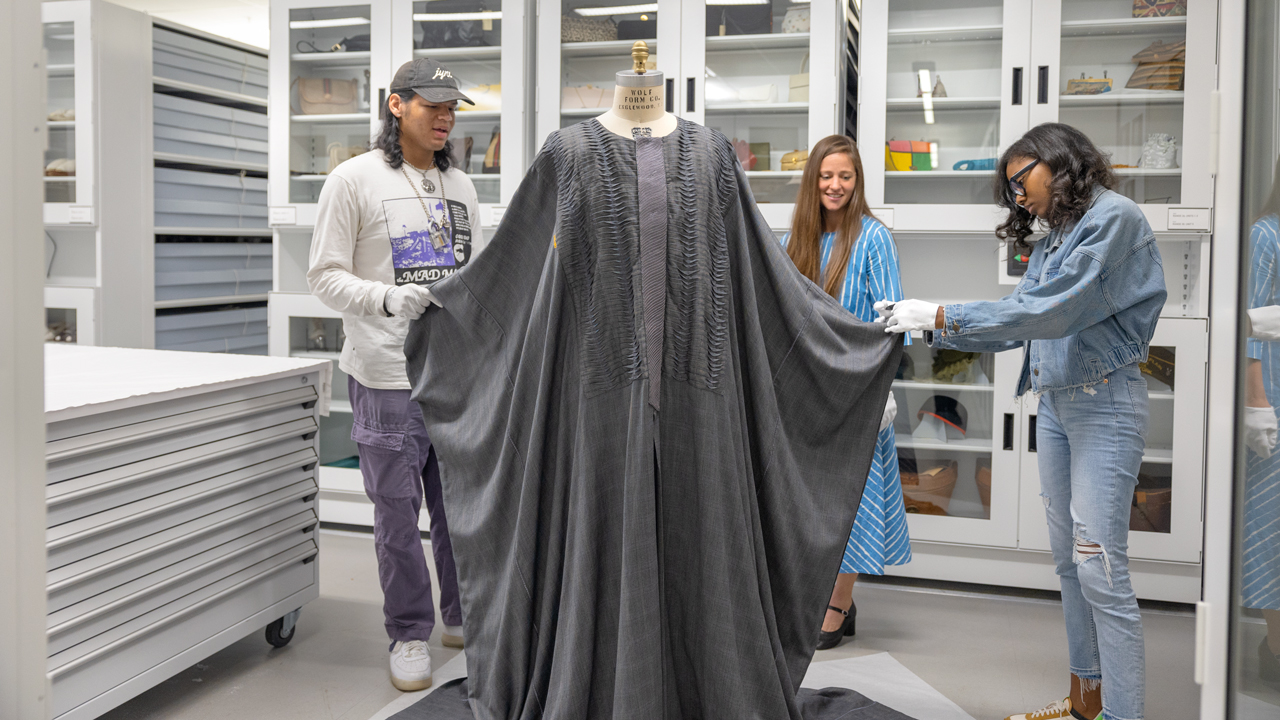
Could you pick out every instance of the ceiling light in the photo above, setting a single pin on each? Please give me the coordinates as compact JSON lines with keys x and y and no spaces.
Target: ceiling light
{"x":441,"y":17}
{"x":335,"y":22}
{"x":737,"y":2}
{"x":617,"y":10}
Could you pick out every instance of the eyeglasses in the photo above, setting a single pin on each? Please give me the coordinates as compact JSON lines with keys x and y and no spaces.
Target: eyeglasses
{"x":1015,"y":182}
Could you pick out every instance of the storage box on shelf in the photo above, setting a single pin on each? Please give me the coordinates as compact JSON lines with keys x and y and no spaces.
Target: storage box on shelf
{"x":963,"y":77}
{"x":97,"y":232}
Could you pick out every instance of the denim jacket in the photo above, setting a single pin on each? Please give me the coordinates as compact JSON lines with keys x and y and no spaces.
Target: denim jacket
{"x":1087,"y":306}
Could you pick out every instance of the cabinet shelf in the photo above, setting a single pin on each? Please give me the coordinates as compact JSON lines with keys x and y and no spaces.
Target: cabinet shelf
{"x":902,"y":36}
{"x":309,"y":178}
{"x":465,"y":115}
{"x":340,"y":406}
{"x":204,"y":301}
{"x":333,"y":118}
{"x":355,"y":58}
{"x":606,"y":48}
{"x":975,"y":445}
{"x":59,"y":178}
{"x":1147,"y":172}
{"x":754,"y":108}
{"x":919,"y":385}
{"x":976,"y":174}
{"x":1157,"y":456}
{"x":61,"y":124}
{"x":484,"y":177}
{"x":762,"y":41}
{"x":208,"y":162}
{"x":186,"y":87}
{"x":1124,"y":26}
{"x":61,"y":70}
{"x":1129,"y":97}
{"x":774,"y":173}
{"x":219,"y":232}
{"x":483,"y":52}
{"x":583,"y":112}
{"x":316,"y":354}
{"x":945,"y":103}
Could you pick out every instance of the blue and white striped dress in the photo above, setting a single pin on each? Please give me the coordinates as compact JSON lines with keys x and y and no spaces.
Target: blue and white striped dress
{"x":1260,"y":580}
{"x":879,"y":534}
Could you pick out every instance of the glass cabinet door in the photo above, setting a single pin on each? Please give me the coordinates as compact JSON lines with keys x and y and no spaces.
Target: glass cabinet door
{"x":1121,"y":80}
{"x":949,"y":80}
{"x":60,"y":156}
{"x":755,"y":89}
{"x":466,"y":36}
{"x":1164,"y":516}
{"x":331,"y":95}
{"x":955,"y":433}
{"x":595,"y":39}
{"x":321,"y":338}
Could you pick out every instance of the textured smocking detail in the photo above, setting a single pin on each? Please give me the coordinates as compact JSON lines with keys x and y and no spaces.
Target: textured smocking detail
{"x":598,"y":250}
{"x":703,"y":186}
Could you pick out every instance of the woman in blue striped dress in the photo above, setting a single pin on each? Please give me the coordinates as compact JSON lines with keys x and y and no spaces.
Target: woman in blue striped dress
{"x":836,"y":242}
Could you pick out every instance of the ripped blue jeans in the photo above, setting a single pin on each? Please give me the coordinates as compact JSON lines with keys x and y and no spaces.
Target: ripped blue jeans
{"x":1089,"y":444}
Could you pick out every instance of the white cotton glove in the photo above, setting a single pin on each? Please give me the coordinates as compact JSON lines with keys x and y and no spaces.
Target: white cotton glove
{"x":911,"y":315}
{"x":1260,"y":430}
{"x":885,"y":309}
{"x":408,"y":301}
{"x":1265,"y":322}
{"x":890,"y":413}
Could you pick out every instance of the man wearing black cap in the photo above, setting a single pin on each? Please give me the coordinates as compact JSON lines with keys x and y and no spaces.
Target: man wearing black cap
{"x":391,"y":223}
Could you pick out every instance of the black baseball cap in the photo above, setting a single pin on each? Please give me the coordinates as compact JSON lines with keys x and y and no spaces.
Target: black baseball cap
{"x":428,"y":78}
{"x":949,"y":411}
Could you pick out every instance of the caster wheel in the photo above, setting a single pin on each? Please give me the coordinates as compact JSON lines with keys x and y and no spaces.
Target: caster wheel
{"x":280,"y":632}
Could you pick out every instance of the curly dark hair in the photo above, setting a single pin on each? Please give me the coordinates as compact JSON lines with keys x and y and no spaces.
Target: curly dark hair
{"x":1077,"y":165}
{"x":388,"y":140}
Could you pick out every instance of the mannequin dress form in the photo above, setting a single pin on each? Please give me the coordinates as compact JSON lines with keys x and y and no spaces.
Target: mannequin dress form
{"x":639,"y":100}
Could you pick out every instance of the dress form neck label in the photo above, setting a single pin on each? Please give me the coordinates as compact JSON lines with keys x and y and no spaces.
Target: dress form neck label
{"x":641,"y":132}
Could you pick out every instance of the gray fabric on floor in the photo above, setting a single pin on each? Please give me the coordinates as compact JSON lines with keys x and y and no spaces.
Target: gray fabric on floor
{"x":449,"y":702}
{"x":617,"y":562}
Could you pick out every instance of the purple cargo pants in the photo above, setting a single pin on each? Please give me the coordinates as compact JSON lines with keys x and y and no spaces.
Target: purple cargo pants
{"x":399,"y":469}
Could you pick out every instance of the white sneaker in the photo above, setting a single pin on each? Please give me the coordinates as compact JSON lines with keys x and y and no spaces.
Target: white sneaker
{"x":451,"y":636}
{"x":410,"y":666}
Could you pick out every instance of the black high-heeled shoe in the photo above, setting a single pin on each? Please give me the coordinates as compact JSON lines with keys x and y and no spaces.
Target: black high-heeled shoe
{"x":848,"y":628}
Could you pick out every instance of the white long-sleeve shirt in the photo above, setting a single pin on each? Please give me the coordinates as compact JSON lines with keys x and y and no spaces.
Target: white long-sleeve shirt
{"x":372,"y":233}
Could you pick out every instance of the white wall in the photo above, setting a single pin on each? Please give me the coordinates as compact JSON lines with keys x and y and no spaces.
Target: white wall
{"x":242,"y":20}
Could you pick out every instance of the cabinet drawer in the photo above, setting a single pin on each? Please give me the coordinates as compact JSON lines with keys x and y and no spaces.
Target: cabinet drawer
{"x":188,"y":59}
{"x":212,"y":146}
{"x":242,"y":330}
{"x":195,"y":270}
{"x":179,"y":112}
{"x":161,"y":561}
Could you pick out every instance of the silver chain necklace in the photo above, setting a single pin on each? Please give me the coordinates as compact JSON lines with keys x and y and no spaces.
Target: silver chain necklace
{"x":434,"y":229}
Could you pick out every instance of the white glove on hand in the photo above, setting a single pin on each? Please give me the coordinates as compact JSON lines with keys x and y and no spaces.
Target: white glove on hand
{"x":885,"y":309}
{"x":408,"y":301}
{"x":1260,"y":430}
{"x":911,"y":315}
{"x":890,"y":412}
{"x":1265,"y":322}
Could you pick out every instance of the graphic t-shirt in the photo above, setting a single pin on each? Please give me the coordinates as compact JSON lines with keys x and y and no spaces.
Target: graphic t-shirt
{"x":373,"y":232}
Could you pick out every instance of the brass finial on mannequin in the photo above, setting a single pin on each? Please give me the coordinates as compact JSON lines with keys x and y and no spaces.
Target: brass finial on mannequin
{"x":639,"y":57}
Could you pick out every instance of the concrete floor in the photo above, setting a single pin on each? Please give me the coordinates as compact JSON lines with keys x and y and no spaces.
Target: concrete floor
{"x":991,"y":654}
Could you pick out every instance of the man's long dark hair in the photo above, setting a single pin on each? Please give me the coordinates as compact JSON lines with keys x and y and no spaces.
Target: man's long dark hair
{"x":1077,"y":166}
{"x":388,"y":140}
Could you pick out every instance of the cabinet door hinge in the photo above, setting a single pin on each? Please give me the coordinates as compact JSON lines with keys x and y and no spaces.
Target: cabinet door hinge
{"x":1202,"y":639}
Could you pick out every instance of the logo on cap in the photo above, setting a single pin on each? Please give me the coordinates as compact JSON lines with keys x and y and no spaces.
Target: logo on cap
{"x":442,"y":73}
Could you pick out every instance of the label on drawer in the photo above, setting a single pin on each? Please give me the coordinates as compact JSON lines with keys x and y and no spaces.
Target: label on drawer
{"x":1189,"y":218}
{"x":495,"y":214}
{"x":885,"y":215}
{"x":80,"y":214}
{"x":284,"y":215}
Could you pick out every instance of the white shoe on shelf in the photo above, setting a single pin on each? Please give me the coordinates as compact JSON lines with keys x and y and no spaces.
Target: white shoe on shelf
{"x":410,"y":666}
{"x":451,"y":636}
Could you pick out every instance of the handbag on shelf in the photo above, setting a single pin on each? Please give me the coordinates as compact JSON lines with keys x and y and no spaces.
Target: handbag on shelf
{"x":460,"y":153}
{"x":794,"y":160}
{"x":584,"y":97}
{"x":746,"y":158}
{"x":1089,"y":86}
{"x":1159,"y":8}
{"x":739,"y":20}
{"x":442,"y":33}
{"x":493,"y":155}
{"x":585,"y":29}
{"x":798,"y":84}
{"x":759,"y":94}
{"x":897,"y":155}
{"x":327,"y":96}
{"x":761,"y":152}
{"x":339,"y":153}
{"x":984,"y":164}
{"x":1161,"y":66}
{"x":487,"y":98}
{"x":797,"y":20}
{"x":638,"y":29}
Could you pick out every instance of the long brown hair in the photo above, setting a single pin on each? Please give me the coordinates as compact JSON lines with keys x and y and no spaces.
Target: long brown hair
{"x":807,"y":226}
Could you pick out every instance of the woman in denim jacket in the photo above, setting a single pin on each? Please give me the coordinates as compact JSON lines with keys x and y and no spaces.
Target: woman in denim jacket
{"x":1084,"y":315}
